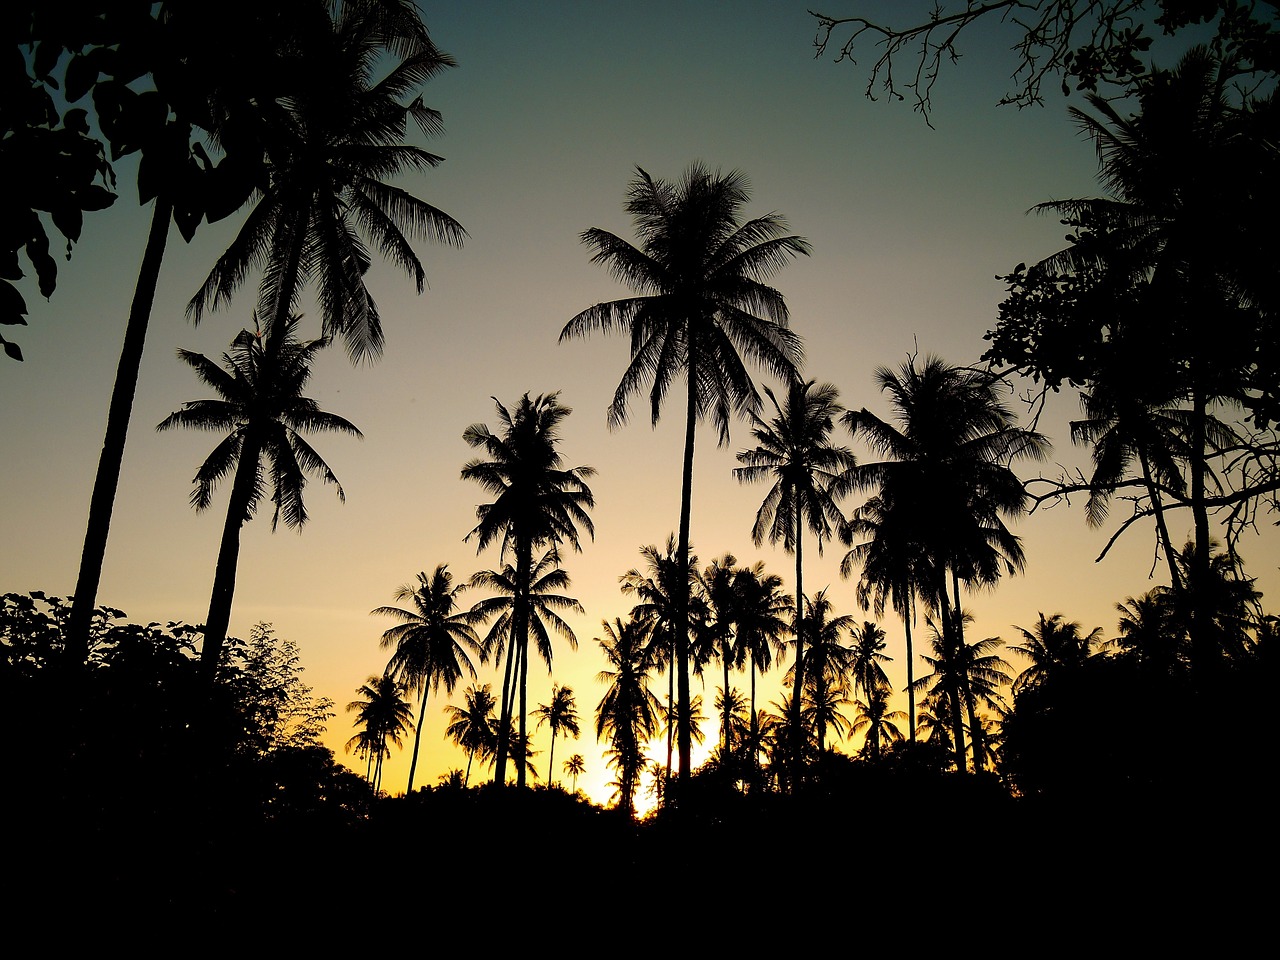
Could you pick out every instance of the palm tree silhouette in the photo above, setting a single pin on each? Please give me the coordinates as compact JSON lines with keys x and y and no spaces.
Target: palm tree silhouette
{"x":628,"y":712}
{"x":878,"y":720}
{"x":715,"y":631}
{"x":765,"y":615}
{"x":1054,"y":646}
{"x":335,"y":145}
{"x":809,"y":475}
{"x":575,"y":767}
{"x":382,"y":714}
{"x":657,"y":593}
{"x":474,"y":726}
{"x":945,"y":489}
{"x":537,"y":502}
{"x":560,"y":715}
{"x":300,"y":87}
{"x":544,"y":606}
{"x":827,"y":662}
{"x":702,"y":305}
{"x":260,"y":404}
{"x":431,"y":641}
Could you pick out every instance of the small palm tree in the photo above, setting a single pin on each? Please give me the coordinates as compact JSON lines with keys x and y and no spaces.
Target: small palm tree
{"x":702,"y":305}
{"x":878,"y":720}
{"x":575,"y":767}
{"x":1053,"y":646}
{"x":628,"y":712}
{"x":382,"y":714}
{"x":261,"y":406}
{"x":431,"y":641}
{"x":827,"y":662}
{"x":561,"y":715}
{"x":765,"y":616}
{"x":474,"y":726}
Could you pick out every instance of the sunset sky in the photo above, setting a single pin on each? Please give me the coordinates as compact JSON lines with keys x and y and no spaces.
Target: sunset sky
{"x":550,"y":110}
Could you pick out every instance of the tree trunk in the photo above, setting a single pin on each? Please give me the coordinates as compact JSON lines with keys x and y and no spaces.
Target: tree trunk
{"x":524,"y":564}
{"x":551,"y":759}
{"x":683,"y":732}
{"x":797,"y":742}
{"x":1204,"y":652}
{"x":118,"y":413}
{"x":907,"y":615}
{"x":224,"y":575}
{"x":417,"y":739}
{"x":504,"y":713}
{"x":953,"y":687}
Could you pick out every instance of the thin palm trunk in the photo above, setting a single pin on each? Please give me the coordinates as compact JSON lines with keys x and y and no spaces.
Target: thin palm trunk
{"x":504,"y":715}
{"x":107,"y":480}
{"x":1162,"y":528}
{"x":671,"y":696}
{"x":551,"y":759}
{"x":724,"y":713}
{"x":224,"y":575}
{"x":797,"y":741}
{"x":952,"y":683}
{"x":684,"y":733}
{"x":523,"y":564}
{"x":907,"y":616}
{"x":417,"y":738}
{"x":975,"y":730}
{"x":1203,"y":654}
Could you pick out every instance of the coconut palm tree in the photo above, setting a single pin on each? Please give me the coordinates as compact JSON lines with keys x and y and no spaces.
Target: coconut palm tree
{"x":575,"y":767}
{"x":538,"y":502}
{"x":261,"y":406}
{"x":297,"y":84}
{"x":702,"y":304}
{"x":827,"y":662}
{"x":1054,"y":645}
{"x":382,"y":714}
{"x":473,"y":727}
{"x":628,"y":712}
{"x":946,"y":489}
{"x":657,"y":594}
{"x":560,"y":715}
{"x":809,"y":475}
{"x":765,"y":617}
{"x":432,"y":642}
{"x":544,"y":616}
{"x":335,"y":145}
{"x":715,"y":634}
{"x":878,"y":720}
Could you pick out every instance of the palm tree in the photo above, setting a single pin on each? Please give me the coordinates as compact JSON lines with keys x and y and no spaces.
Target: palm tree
{"x":431,"y":641}
{"x":809,"y":475}
{"x":658,"y":593}
{"x":537,"y":502}
{"x":544,"y":615}
{"x":575,"y":767}
{"x":628,"y":712}
{"x":561,"y":714}
{"x":701,"y":305}
{"x":944,"y":489}
{"x":715,"y":632}
{"x":765,"y":615}
{"x":260,"y":404}
{"x":1054,"y":646}
{"x":278,"y":73}
{"x":473,"y":727}
{"x":827,"y":662}
{"x":878,"y":720}
{"x":383,"y":714}
{"x":335,"y":144}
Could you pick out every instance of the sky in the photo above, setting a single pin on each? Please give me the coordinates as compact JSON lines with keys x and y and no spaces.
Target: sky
{"x":548,"y":114}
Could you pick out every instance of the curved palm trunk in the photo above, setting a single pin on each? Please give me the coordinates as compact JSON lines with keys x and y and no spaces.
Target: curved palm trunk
{"x":466,"y":780}
{"x":224,"y":575}
{"x":1162,"y":528}
{"x":417,"y":740}
{"x":797,"y":741}
{"x":107,"y":479}
{"x":551,"y":759}
{"x":683,"y":731}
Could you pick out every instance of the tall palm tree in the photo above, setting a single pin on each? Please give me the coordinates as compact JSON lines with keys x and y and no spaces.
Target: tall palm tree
{"x":560,"y":715}
{"x":715,"y":634}
{"x":276,"y":76}
{"x":544,"y":616}
{"x":538,"y":502}
{"x":432,"y":641}
{"x":261,"y":406}
{"x":382,"y":714}
{"x":628,"y":712}
{"x":701,"y":305}
{"x":945,"y":488}
{"x":809,"y":475}
{"x":473,"y":726}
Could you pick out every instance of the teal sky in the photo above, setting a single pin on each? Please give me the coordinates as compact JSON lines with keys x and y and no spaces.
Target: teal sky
{"x":550,"y":110}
